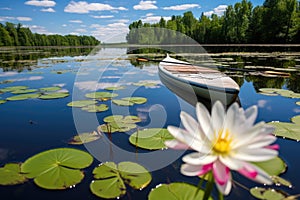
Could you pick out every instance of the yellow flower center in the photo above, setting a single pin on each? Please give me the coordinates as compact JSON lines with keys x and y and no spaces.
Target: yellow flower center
{"x":222,"y":142}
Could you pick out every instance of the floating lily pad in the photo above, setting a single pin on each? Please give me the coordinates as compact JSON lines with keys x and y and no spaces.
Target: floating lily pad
{"x":145,"y":84}
{"x":273,"y":166}
{"x":286,"y":130}
{"x":83,"y":138}
{"x":103,"y":96}
{"x":13,"y":88}
{"x":267,"y":193}
{"x":130,"y":101}
{"x":10,"y":174}
{"x":115,"y":88}
{"x":282,"y":92}
{"x":119,"y":123}
{"x":23,"y":97}
{"x":96,"y":108}
{"x":50,"y":89}
{"x":57,"y":168}
{"x":281,"y":181}
{"x":2,"y":101}
{"x":176,"y":191}
{"x":296,"y":119}
{"x":123,"y":119}
{"x":24,"y":91}
{"x":6,"y":81}
{"x":151,"y":139}
{"x":81,"y":103}
{"x":54,"y":95}
{"x":110,"y":179}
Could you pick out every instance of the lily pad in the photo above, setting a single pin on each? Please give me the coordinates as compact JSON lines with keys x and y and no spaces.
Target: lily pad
{"x":110,"y":179}
{"x":121,"y":118}
{"x":13,"y":88}
{"x":2,"y":101}
{"x":57,"y":168}
{"x":23,"y":97}
{"x":267,"y":193}
{"x":152,"y":139}
{"x":176,"y":191}
{"x":296,"y":119}
{"x":286,"y":130}
{"x":24,"y":91}
{"x":81,"y":103}
{"x":115,"y":88}
{"x":282,"y":92}
{"x":119,"y":123}
{"x":83,"y":138}
{"x":103,"y":96}
{"x":130,"y":101}
{"x":96,"y":108}
{"x":10,"y":174}
{"x":273,"y":166}
{"x":281,"y":181}
{"x":54,"y":95}
{"x":50,"y":89}
{"x":145,"y":84}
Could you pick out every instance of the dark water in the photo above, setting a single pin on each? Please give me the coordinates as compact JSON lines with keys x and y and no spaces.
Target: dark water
{"x":31,"y":126}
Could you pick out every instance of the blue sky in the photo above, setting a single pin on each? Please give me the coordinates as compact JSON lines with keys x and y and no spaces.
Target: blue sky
{"x":103,"y":19}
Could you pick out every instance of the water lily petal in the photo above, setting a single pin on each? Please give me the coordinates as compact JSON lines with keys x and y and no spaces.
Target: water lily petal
{"x":225,"y":189}
{"x":231,"y":162}
{"x":217,"y":116}
{"x":255,"y":155}
{"x":204,"y":120}
{"x":248,"y":171}
{"x":232,"y":117}
{"x":199,"y":158}
{"x":260,"y":142}
{"x":251,"y":114}
{"x":191,"y":125}
{"x":221,"y":172}
{"x":190,"y":170}
{"x":175,"y":144}
{"x":262,"y":176}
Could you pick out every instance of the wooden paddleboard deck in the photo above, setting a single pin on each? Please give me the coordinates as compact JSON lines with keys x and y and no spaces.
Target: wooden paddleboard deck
{"x":206,"y":82}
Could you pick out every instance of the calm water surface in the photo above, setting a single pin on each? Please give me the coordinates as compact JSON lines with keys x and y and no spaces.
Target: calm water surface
{"x":31,"y":126}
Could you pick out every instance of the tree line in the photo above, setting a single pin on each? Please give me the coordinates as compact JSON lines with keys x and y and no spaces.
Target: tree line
{"x":17,"y":35}
{"x":274,"y":22}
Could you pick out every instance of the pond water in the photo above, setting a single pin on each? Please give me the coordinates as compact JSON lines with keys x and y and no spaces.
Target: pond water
{"x":34,"y":125}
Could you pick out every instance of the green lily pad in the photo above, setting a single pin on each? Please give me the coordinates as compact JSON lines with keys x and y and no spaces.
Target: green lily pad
{"x":273,"y":166}
{"x":10,"y":174}
{"x":282,"y":92}
{"x":24,"y":91}
{"x":152,"y":139}
{"x":81,"y":103}
{"x":121,"y":118}
{"x":57,"y":168}
{"x":54,"y":95}
{"x":119,"y":123}
{"x":96,"y":108}
{"x":50,"y":89}
{"x":296,"y":119}
{"x":13,"y":88}
{"x":110,"y":179}
{"x":267,"y":193}
{"x":83,"y":138}
{"x":2,"y":101}
{"x":23,"y":97}
{"x":286,"y":130}
{"x":281,"y":181}
{"x":103,"y":96}
{"x":145,"y":84}
{"x":130,"y":101}
{"x":115,"y":88}
{"x":6,"y":81}
{"x":176,"y":191}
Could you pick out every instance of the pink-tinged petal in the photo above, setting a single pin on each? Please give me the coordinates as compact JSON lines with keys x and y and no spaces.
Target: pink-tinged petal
{"x":175,"y":144}
{"x":205,"y":169}
{"x":262,"y":141}
{"x":199,"y":158}
{"x":262,"y":176}
{"x":190,"y":170}
{"x":248,"y":171}
{"x":192,"y":126}
{"x":255,"y":155}
{"x":274,"y":147}
{"x":204,"y":120}
{"x":221,"y":173}
{"x":231,"y":163}
{"x":218,"y":116}
{"x":225,"y":189}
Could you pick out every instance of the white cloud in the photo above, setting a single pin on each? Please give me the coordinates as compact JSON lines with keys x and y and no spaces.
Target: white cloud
{"x":39,"y":29}
{"x":111,"y":33}
{"x":122,"y":21}
{"x":154,"y":19}
{"x":47,"y":10}
{"x":149,"y":14}
{"x":42,"y":3}
{"x":102,"y":16}
{"x":76,"y":21}
{"x":85,"y":7}
{"x":81,"y":30}
{"x":182,"y":7}
{"x":5,"y":8}
{"x":218,"y":11}
{"x":24,"y":19}
{"x":145,"y":5}
{"x":64,"y":25}
{"x":7,"y":18}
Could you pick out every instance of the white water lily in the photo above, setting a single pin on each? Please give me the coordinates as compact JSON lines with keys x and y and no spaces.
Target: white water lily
{"x":224,"y":141}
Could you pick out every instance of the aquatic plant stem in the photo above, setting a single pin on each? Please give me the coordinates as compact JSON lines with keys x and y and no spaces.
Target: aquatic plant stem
{"x":209,"y":186}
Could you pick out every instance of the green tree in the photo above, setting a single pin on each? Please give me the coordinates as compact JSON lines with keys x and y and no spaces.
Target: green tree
{"x":5,"y":39}
{"x":10,"y":27}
